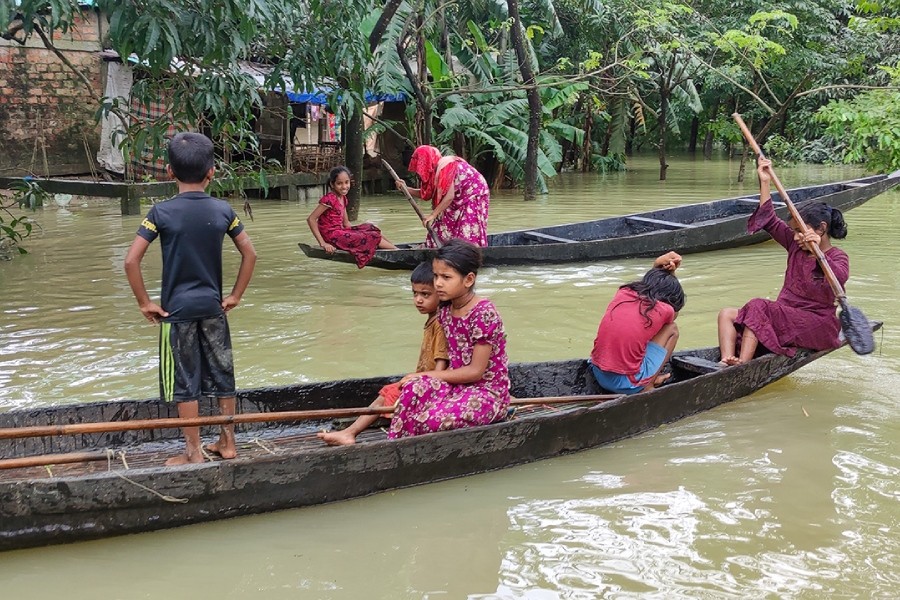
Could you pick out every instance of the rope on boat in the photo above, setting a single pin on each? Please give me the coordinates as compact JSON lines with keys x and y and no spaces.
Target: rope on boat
{"x":110,"y":454}
{"x":259,"y":443}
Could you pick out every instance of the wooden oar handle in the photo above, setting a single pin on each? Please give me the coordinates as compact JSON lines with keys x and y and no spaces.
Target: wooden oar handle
{"x":412,"y":202}
{"x":820,"y":256}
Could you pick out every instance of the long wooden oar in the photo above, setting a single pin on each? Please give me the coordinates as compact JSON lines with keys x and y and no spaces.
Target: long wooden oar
{"x":854,"y":323}
{"x":412,"y":202}
{"x":51,"y":459}
{"x":293,"y":415}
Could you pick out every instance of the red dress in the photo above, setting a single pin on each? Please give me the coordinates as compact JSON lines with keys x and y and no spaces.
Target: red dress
{"x":623,"y":334}
{"x":359,"y":240}
{"x":804,"y":315}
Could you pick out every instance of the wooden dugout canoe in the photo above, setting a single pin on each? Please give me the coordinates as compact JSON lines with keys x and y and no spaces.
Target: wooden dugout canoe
{"x":687,"y":229}
{"x":285,"y":466}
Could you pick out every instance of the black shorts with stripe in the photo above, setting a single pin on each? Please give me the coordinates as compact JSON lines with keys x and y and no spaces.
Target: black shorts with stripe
{"x":195,"y":360}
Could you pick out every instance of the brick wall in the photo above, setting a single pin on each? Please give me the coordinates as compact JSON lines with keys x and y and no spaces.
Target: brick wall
{"x":45,"y":110}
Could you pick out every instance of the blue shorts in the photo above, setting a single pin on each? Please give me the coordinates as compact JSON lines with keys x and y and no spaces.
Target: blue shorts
{"x":617,"y":383}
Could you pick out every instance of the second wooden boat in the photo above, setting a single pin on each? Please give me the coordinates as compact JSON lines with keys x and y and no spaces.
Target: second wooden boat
{"x":686,"y":229}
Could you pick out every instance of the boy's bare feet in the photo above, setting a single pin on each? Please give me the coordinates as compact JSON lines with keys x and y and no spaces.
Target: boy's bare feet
{"x":224,"y":447}
{"x":343,"y":437}
{"x":184,"y":459}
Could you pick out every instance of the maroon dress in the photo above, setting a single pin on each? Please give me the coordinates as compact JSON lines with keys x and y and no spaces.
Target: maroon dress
{"x":804,"y":315}
{"x":359,"y":240}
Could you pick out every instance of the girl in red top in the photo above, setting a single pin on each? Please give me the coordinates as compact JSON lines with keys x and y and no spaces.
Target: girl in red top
{"x":332,"y":229}
{"x":637,"y":334}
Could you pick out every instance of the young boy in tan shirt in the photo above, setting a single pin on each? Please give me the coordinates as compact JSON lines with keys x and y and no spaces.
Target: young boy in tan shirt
{"x":432,"y":356}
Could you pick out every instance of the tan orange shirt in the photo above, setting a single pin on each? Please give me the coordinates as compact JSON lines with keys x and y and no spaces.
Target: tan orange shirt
{"x":434,"y":346}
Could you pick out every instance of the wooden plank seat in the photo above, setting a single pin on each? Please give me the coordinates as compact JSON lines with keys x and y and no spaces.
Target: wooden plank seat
{"x":546,"y":237}
{"x":696,"y":364}
{"x":660,"y":223}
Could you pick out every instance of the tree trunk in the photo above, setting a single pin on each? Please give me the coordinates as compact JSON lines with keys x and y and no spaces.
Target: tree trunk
{"x":352,"y":139}
{"x":354,"y":147}
{"x":743,"y":167}
{"x":663,"y":113}
{"x":586,"y":147}
{"x":708,"y":142}
{"x":390,"y":8}
{"x":423,"y":108}
{"x":534,"y":100}
{"x":607,"y":136}
{"x":695,"y":130}
{"x":629,"y":139}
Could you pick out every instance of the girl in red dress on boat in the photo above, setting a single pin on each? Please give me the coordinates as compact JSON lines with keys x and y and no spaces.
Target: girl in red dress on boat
{"x":331,"y":227}
{"x":804,"y":315}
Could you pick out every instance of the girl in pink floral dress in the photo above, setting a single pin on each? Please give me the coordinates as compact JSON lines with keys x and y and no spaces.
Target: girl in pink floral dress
{"x":331,"y":226}
{"x":460,"y":197}
{"x":475,"y":389}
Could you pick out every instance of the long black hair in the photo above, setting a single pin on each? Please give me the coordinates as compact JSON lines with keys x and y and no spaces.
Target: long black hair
{"x":657,"y":285}
{"x":819,"y":212}
{"x":464,"y":257}
{"x":333,"y":174}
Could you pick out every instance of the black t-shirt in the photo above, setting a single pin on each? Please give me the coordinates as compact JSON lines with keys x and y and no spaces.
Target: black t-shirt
{"x":191,"y":228}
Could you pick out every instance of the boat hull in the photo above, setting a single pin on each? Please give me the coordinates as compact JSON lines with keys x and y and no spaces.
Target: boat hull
{"x":39,"y":509}
{"x":687,"y":229}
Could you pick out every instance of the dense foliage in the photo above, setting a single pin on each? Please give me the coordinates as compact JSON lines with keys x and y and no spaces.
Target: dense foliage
{"x":601,"y":79}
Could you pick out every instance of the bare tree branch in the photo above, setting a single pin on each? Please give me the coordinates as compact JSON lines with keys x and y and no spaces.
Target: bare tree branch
{"x":847,"y":86}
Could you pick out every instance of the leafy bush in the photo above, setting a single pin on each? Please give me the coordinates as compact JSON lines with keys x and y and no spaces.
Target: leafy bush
{"x":870,"y":125}
{"x":26,"y":194}
{"x":821,"y":150}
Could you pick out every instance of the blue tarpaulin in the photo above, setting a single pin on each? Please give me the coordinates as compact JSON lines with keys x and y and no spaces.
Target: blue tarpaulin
{"x":321,"y":97}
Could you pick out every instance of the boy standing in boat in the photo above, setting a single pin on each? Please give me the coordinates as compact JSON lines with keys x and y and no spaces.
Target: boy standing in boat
{"x":194,"y":342}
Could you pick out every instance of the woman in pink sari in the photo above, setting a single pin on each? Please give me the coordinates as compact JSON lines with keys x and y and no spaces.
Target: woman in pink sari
{"x":459,"y":196}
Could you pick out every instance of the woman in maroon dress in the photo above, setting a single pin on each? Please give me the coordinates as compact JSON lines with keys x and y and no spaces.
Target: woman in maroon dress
{"x":804,"y":315}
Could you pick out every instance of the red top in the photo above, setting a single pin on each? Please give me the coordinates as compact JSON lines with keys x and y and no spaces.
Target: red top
{"x":623,"y":334}
{"x":332,"y":219}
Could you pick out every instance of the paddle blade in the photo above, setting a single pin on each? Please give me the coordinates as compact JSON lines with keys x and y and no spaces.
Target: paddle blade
{"x":857,"y":329}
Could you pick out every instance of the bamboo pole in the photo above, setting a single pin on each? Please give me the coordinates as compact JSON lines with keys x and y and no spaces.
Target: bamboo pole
{"x":269,"y":417}
{"x":412,"y":202}
{"x":51,"y":459}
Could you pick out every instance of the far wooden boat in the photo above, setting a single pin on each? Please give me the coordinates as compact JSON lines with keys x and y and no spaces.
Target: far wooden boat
{"x":686,"y":229}
{"x":284,"y":465}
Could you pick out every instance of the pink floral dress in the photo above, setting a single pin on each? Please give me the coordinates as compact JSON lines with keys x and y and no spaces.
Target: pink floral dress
{"x":428,"y":404}
{"x":467,"y":215}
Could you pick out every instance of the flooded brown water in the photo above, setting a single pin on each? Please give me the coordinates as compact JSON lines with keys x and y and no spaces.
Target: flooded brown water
{"x":792,"y":492}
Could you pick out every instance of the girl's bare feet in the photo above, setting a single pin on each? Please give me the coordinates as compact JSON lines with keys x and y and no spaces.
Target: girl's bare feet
{"x":731,"y":360}
{"x":657,"y":381}
{"x":343,"y":437}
